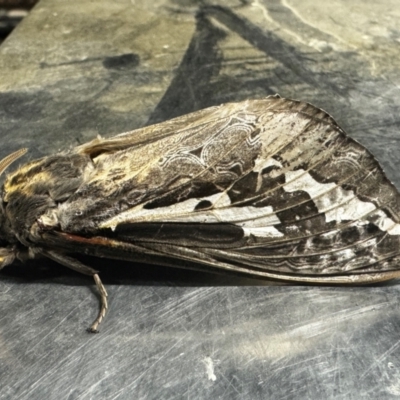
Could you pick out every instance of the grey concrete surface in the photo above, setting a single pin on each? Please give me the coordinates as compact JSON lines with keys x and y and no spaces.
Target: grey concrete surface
{"x":76,"y":69}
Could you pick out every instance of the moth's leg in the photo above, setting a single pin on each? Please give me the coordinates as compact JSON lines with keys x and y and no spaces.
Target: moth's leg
{"x":82,"y":268}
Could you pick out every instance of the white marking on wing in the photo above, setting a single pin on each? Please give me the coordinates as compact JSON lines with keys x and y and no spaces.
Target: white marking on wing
{"x":337,"y":203}
{"x":260,"y":164}
{"x":258,"y":221}
{"x":183,"y":211}
{"x":265,"y":232}
{"x":384,"y":223}
{"x":279,"y":129}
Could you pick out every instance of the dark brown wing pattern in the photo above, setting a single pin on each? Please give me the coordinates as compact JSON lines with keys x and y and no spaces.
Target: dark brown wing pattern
{"x":263,"y":186}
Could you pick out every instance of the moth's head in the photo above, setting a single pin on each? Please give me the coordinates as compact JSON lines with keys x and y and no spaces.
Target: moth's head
{"x":7,"y":252}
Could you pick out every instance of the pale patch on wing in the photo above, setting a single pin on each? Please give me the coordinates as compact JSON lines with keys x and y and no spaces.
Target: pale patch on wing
{"x":258,"y":221}
{"x":279,"y":129}
{"x":260,"y":164}
{"x":264,"y":232}
{"x":394,"y":230}
{"x":337,"y":203}
{"x":301,"y":180}
{"x":184,"y":210}
{"x":341,"y":255}
{"x":384,"y":223}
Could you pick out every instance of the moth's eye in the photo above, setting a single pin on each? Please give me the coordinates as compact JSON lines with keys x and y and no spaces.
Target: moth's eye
{"x":78,"y":213}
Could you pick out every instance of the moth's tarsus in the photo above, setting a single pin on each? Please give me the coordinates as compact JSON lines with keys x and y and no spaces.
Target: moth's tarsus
{"x":103,"y":304}
{"x":271,"y":188}
{"x":91,"y":330}
{"x":84,"y":269}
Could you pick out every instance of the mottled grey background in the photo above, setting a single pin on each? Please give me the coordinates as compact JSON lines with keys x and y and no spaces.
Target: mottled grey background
{"x":76,"y":69}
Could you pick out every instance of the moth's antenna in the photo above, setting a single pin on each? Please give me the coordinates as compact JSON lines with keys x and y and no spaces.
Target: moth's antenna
{"x":7,"y":161}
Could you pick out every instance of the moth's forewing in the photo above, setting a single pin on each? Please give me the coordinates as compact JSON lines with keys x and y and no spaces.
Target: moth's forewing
{"x":270,"y":185}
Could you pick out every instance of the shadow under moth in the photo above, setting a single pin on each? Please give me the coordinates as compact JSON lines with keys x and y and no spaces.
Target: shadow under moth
{"x":270,"y":188}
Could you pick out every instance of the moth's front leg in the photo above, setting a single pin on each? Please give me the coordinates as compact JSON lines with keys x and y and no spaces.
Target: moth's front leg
{"x":47,"y":222}
{"x":82,"y":268}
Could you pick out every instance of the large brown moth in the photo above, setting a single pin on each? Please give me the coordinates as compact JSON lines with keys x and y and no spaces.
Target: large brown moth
{"x":271,"y":188}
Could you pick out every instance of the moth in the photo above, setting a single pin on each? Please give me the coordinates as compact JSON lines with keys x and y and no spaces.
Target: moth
{"x":269,"y":188}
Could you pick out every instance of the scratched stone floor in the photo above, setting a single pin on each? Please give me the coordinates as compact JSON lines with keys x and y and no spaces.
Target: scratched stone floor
{"x":73,"y":70}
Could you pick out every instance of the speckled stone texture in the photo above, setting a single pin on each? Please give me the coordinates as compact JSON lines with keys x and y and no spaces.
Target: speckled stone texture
{"x":76,"y":69}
